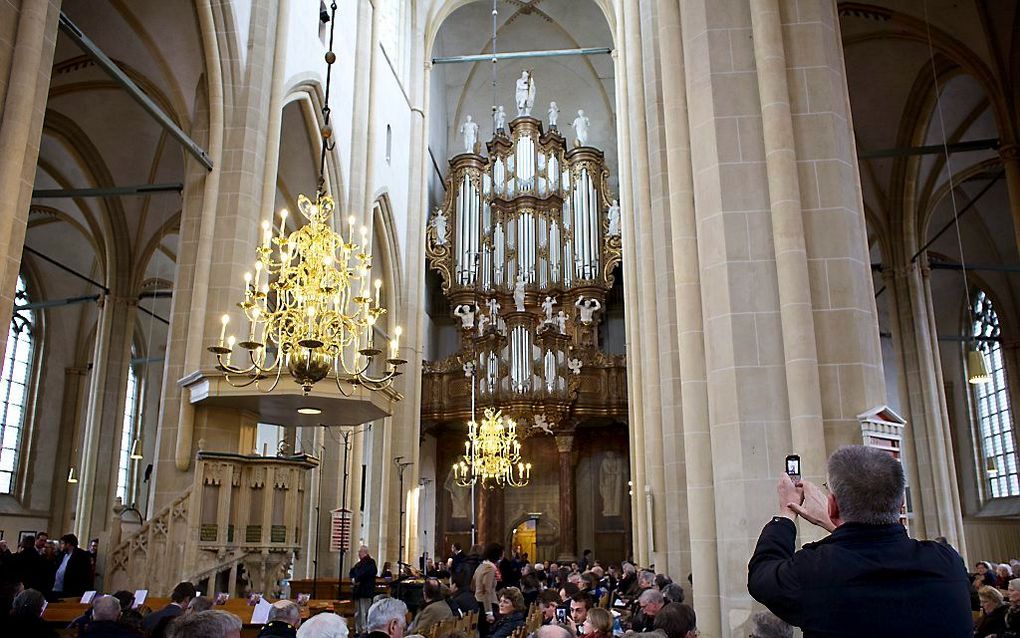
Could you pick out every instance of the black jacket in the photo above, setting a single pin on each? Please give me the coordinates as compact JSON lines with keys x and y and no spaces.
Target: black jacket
{"x":34,"y":571}
{"x":862,"y":580}
{"x":992,"y":624}
{"x":77,"y":574}
{"x":363,"y":578}
{"x":506,"y":625}
{"x":169,"y":612}
{"x":464,"y":601}
{"x":277,"y":629}
{"x":467,"y":566}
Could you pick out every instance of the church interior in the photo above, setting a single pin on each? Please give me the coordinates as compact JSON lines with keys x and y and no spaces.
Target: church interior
{"x":280,"y":273}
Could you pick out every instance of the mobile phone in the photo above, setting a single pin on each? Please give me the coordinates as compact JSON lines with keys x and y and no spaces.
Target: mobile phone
{"x":793,"y":466}
{"x":561,"y":615}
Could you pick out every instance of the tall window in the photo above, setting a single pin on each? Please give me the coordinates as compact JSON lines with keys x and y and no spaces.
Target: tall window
{"x":14,"y":386}
{"x":392,"y":23}
{"x":127,"y":437}
{"x":995,"y":422}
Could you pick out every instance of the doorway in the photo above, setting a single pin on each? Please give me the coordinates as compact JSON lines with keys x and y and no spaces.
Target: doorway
{"x":524,"y":538}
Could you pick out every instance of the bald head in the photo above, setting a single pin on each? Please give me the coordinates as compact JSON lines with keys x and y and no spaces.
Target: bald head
{"x":552,"y":631}
{"x":286,"y":611}
{"x":105,"y":608}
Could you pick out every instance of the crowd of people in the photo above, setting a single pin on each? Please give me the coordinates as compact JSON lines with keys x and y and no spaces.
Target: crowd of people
{"x":866,"y":578}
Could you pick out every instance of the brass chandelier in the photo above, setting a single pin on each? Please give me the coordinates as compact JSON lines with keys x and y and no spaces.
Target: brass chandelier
{"x":304,"y":314}
{"x":492,"y":454}
{"x":309,"y":304}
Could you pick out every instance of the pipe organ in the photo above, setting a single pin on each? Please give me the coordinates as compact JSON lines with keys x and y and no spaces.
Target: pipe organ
{"x":526,"y":248}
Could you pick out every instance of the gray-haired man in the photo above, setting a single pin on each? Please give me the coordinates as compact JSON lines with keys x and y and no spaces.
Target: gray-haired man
{"x":363,"y":588}
{"x":867,"y":578}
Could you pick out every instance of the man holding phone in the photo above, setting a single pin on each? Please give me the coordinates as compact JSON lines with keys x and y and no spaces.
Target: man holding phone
{"x":867,"y":578}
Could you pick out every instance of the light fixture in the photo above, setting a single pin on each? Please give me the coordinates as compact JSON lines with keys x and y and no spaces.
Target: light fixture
{"x":71,"y":478}
{"x":309,"y":411}
{"x":309,"y":302}
{"x":136,"y":449}
{"x":492,"y":454}
{"x":977,"y":371}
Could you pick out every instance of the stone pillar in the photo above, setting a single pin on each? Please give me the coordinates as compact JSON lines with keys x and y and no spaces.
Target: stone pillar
{"x":104,"y":416}
{"x":568,"y":507}
{"x":64,"y":496}
{"x":697,"y":444}
{"x":928,"y":452}
{"x":28,"y":33}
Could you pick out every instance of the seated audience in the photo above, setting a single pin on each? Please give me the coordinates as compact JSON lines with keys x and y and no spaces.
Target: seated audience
{"x":1013,"y":614}
{"x":436,"y":608}
{"x":649,"y":603}
{"x":676,"y":620}
{"x":205,"y":624}
{"x":284,"y":620}
{"x":673,"y":593}
{"x":993,"y":613}
{"x":463,"y":599}
{"x":549,"y":601}
{"x":387,"y":618}
{"x":326,"y":625}
{"x":1003,"y":574}
{"x":768,"y":625}
{"x":105,"y":622}
{"x":598,"y":624}
{"x":551,"y":631}
{"x":529,"y":584}
{"x":580,"y":604}
{"x":567,"y":591}
{"x":511,"y":613}
{"x":868,"y":578}
{"x":199,"y":603}
{"x":156,"y":622}
{"x":25,"y":618}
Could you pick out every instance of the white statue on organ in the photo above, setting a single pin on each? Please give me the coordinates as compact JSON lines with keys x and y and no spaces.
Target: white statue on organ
{"x":493,"y":307}
{"x":614,"y":219}
{"x":574,"y":365}
{"x":581,"y":125}
{"x":519,"y":293}
{"x":469,"y":369}
{"x":525,"y":93}
{"x":469,"y":130}
{"x":543,"y":424}
{"x":547,"y":306}
{"x":483,"y":320}
{"x":467,"y":316}
{"x":500,"y":119}
{"x":554,"y":114}
{"x":439,"y":224}
{"x":561,"y":321}
{"x":587,"y":308}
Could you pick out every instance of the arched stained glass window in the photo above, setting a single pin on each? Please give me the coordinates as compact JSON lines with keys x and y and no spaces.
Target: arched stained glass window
{"x":995,"y":421}
{"x":14,"y":388}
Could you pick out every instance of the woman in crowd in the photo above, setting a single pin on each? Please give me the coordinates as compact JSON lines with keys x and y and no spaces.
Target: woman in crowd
{"x":511,"y":613}
{"x":599,"y":624}
{"x":1013,"y":614}
{"x":993,"y":613}
{"x":1003,"y":574}
{"x":386,"y":571}
{"x":984,"y":575}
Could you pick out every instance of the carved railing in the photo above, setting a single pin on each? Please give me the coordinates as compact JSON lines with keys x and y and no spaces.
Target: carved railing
{"x":238,"y":529}
{"x":598,"y":390}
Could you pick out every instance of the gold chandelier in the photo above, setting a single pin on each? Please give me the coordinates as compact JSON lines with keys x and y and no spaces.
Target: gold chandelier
{"x":304,"y":315}
{"x":492,"y":454}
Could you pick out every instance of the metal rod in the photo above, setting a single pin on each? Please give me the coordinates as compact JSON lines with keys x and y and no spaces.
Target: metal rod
{"x":516,"y":55}
{"x":932,"y":149}
{"x":112,"y":191}
{"x":66,"y":269}
{"x":346,"y":434}
{"x":141,"y":361}
{"x":963,"y":210}
{"x":114,"y":71}
{"x":979,"y":267}
{"x":951,"y":338}
{"x":156,"y":294}
{"x":153,"y":315}
{"x":53,"y":303}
